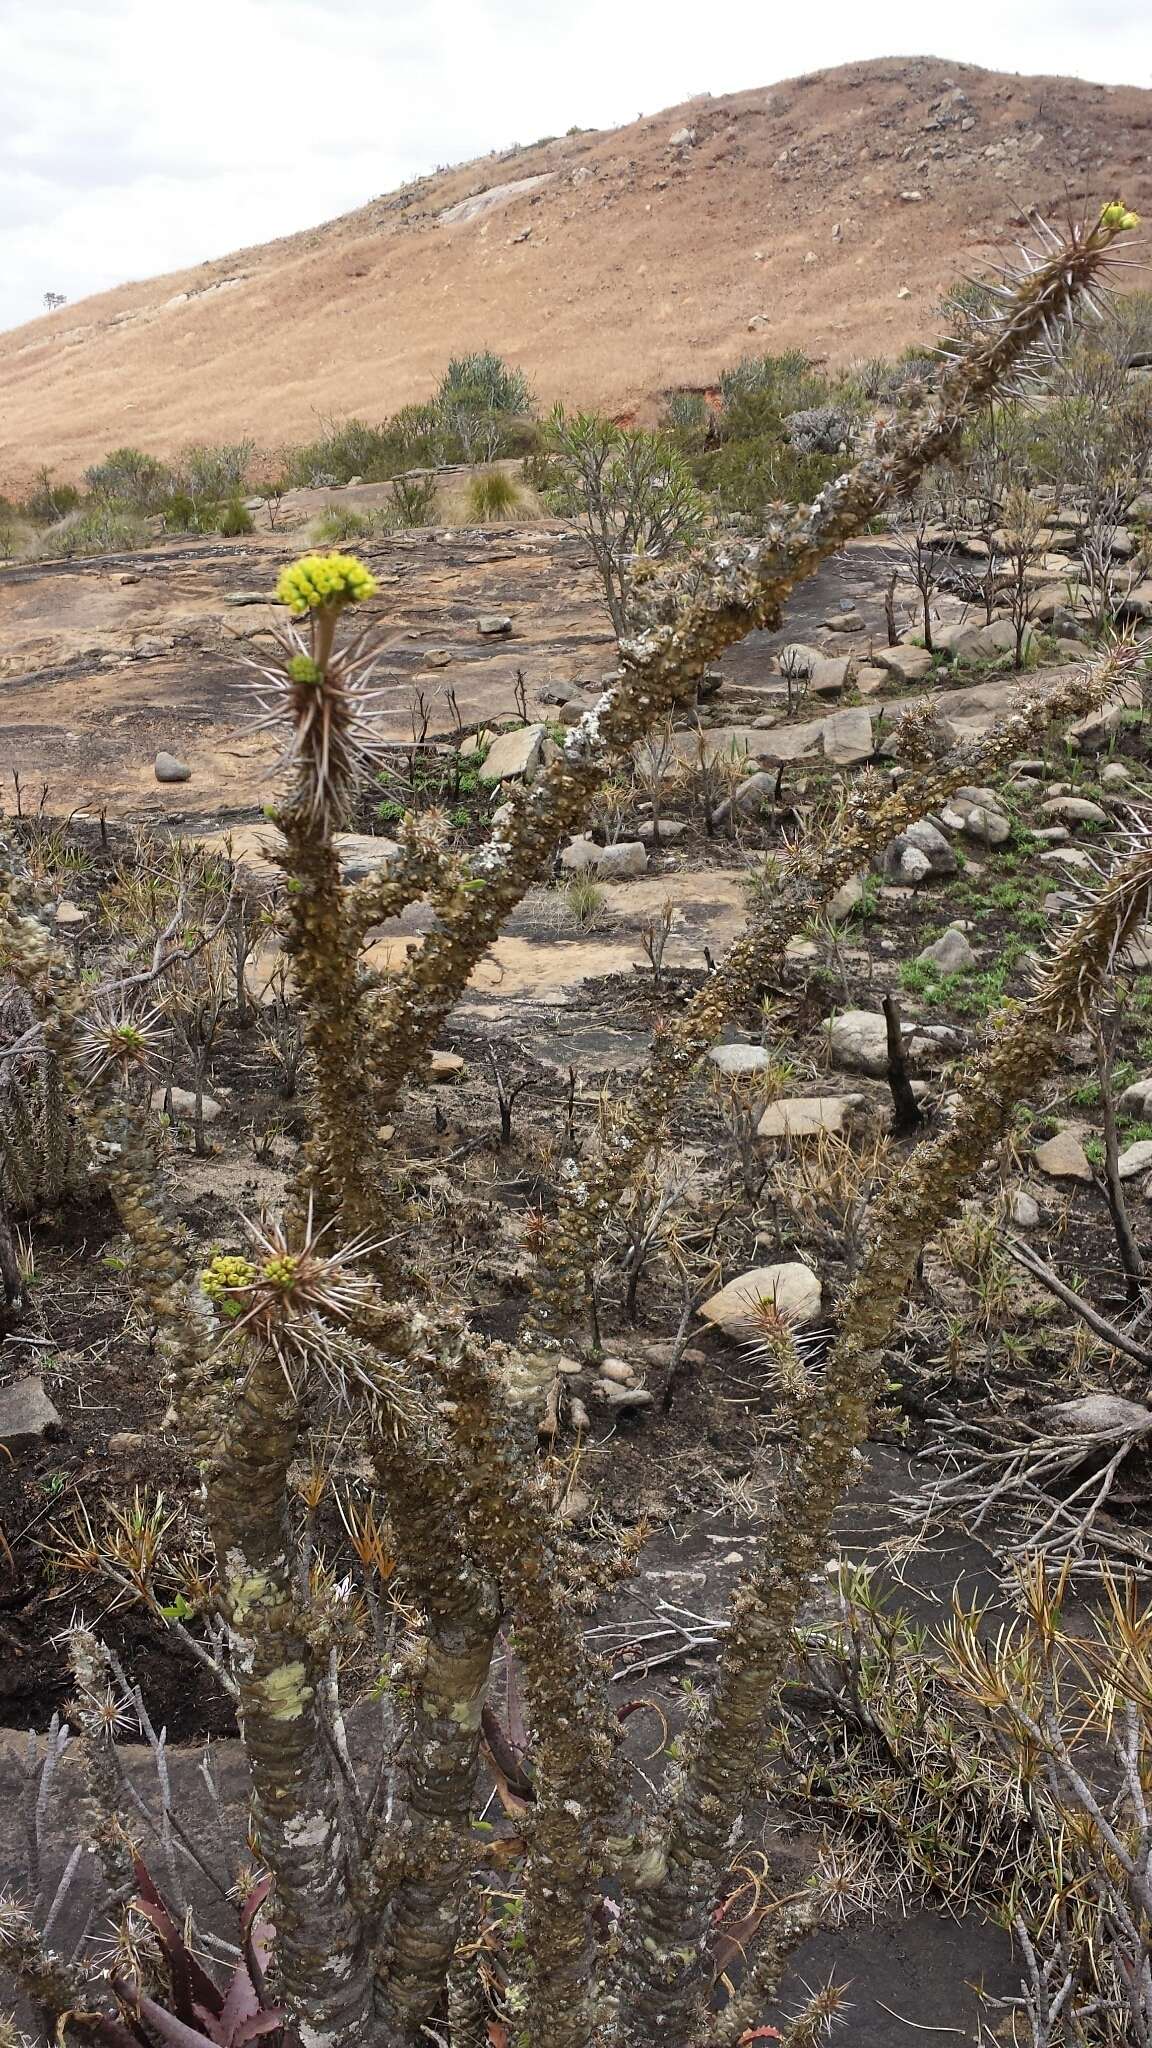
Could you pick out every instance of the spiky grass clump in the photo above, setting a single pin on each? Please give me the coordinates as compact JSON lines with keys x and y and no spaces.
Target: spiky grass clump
{"x":493,"y":496}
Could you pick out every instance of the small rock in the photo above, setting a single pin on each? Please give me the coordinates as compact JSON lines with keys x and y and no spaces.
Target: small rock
{"x":1114,"y":775}
{"x":791,"y":1288}
{"x":1093,"y":1414}
{"x":26,"y":1414}
{"x":1063,"y":1157}
{"x":739,"y":1059}
{"x":1074,"y":810}
{"x":438,"y":657}
{"x":870,"y":680}
{"x":951,"y":952}
{"x":247,"y":597}
{"x":617,"y":1369}
{"x":848,"y":898}
{"x":625,"y":858}
{"x":847,"y":737}
{"x":830,"y":676}
{"x":798,"y":661}
{"x":183,"y":1104}
{"x":1135,"y":1159}
{"x":1137,"y":1098}
{"x":858,"y":1040}
{"x":514,"y":753}
{"x":168,"y":769}
{"x":123,"y":1441}
{"x":805,"y":1116}
{"x":445,"y":1066}
{"x":68,"y":912}
{"x":363,"y":853}
{"x":976,"y":821}
{"x":671,"y":829}
{"x":1023,"y":1210}
{"x":494,"y":626}
{"x":910,"y":664}
{"x":622,"y":1400}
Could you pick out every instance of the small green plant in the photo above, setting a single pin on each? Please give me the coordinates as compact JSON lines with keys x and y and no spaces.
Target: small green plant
{"x":415,"y":499}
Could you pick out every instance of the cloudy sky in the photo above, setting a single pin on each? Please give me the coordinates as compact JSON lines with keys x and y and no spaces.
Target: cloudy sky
{"x":139,"y":136}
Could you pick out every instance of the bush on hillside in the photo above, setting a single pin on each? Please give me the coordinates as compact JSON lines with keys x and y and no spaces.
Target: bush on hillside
{"x":129,"y":477}
{"x":94,"y":530}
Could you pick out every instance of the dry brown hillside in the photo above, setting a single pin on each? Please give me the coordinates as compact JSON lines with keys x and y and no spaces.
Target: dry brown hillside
{"x":827,"y":212}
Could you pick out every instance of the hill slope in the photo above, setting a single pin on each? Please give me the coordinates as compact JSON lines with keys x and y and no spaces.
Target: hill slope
{"x":828,"y":212}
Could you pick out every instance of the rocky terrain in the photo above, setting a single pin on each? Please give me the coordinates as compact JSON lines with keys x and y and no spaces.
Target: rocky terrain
{"x":827,"y":212}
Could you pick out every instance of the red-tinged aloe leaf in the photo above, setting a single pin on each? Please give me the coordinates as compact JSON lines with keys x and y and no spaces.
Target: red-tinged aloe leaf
{"x":165,"y":2023}
{"x":261,"y":2023}
{"x":118,"y":2033}
{"x":191,"y":1985}
{"x":241,"y":2002}
{"x":258,"y":1934}
{"x":758,"y":2034}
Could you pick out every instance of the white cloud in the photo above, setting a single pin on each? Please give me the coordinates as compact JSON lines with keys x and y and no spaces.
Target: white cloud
{"x":137,"y":138}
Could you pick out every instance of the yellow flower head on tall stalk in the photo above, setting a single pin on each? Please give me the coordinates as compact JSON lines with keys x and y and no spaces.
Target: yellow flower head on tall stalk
{"x":316,"y":582}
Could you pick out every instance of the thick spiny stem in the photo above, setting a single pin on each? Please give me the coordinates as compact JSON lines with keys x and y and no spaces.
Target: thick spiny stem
{"x":671,"y":1920}
{"x":706,"y":608}
{"x":799,"y":893}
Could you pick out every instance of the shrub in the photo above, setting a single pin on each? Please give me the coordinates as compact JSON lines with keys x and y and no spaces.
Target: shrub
{"x":630,"y":493}
{"x":686,"y":418}
{"x":215,"y":472}
{"x":483,"y":383}
{"x":493,"y":496}
{"x":235,"y":519}
{"x":49,"y":501}
{"x":345,"y":449}
{"x":129,"y":477}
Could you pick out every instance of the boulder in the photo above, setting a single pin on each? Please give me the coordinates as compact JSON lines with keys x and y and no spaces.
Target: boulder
{"x":909,"y":664}
{"x":26,"y":1414}
{"x":445,"y":1066}
{"x":950,"y":953}
{"x":989,"y":643}
{"x":513,"y":753}
{"x":494,"y":626}
{"x":805,"y":1116}
{"x":739,"y":1059}
{"x":858,"y":1041}
{"x":1063,"y":1158}
{"x":847,"y":737}
{"x":792,"y":1289}
{"x":167,"y":768}
{"x":754,"y":791}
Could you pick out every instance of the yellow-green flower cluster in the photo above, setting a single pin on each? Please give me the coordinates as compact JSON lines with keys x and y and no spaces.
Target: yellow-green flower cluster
{"x":1117,"y":217}
{"x":303,"y":669}
{"x":222,"y":1276}
{"x":316,"y":581}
